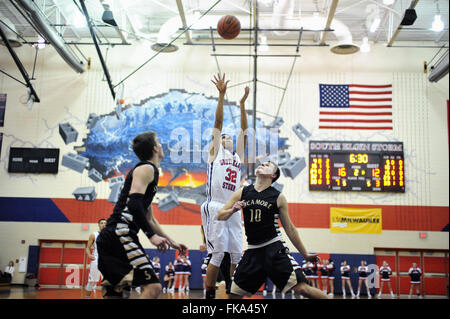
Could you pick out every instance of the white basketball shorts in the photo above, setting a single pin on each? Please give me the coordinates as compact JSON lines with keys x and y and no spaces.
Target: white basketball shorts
{"x":94,"y":273}
{"x":221,"y":235}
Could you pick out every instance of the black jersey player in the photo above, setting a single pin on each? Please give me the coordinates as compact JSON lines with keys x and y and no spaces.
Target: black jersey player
{"x":122,"y":259}
{"x":267,"y":254}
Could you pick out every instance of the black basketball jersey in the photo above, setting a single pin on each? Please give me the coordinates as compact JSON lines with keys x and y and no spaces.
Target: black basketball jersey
{"x":260,"y":214}
{"x":117,"y":216}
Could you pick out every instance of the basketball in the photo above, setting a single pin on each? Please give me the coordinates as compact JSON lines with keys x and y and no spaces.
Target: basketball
{"x":229,"y":27}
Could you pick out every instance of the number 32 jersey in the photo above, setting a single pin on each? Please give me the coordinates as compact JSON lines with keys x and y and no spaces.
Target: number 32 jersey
{"x":223,"y":176}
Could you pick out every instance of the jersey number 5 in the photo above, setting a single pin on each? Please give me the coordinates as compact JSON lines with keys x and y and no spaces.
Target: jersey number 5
{"x":231,"y":177}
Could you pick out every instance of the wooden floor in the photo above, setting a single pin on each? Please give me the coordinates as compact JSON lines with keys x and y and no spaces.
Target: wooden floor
{"x":19,"y":292}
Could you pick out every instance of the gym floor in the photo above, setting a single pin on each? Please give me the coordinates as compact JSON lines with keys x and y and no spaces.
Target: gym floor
{"x":21,"y":292}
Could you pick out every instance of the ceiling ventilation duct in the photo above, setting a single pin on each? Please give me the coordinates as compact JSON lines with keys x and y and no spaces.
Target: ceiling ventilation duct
{"x":283,"y":11}
{"x":50,"y":34}
{"x":282,"y":18}
{"x":344,"y":37}
{"x":10,"y":31}
{"x":168,"y":29}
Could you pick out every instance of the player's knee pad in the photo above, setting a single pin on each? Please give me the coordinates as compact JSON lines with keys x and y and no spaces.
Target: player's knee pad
{"x":216,"y":259}
{"x":235,"y":258}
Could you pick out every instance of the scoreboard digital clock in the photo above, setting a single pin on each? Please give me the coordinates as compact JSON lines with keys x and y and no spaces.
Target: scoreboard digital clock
{"x":356,"y":166}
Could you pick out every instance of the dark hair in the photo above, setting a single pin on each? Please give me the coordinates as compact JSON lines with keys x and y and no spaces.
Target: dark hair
{"x":100,"y":220}
{"x":143,"y":145}
{"x":277,"y":172}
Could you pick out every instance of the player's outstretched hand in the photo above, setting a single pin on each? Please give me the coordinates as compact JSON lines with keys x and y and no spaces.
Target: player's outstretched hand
{"x":161,"y":243}
{"x":181,"y":247}
{"x":244,"y":98}
{"x":220,"y":83}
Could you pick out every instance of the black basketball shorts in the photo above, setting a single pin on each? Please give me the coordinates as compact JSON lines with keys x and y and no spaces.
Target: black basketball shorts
{"x":122,"y":260}
{"x":273,"y":261}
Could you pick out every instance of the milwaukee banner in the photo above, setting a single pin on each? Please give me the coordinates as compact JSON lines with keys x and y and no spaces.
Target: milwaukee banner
{"x":355,"y":220}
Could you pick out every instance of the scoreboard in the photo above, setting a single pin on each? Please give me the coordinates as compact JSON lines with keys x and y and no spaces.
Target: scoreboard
{"x":356,"y":166}
{"x":33,"y":160}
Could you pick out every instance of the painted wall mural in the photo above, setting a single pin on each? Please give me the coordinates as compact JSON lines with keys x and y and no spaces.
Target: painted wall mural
{"x":183,"y":122}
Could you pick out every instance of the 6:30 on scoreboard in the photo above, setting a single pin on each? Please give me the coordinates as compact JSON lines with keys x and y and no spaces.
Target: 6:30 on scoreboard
{"x":356,"y":166}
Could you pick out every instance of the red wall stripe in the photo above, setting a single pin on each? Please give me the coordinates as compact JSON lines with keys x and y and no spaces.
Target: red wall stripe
{"x":419,"y":218}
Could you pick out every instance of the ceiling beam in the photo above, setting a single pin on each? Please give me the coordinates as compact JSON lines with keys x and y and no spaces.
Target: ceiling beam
{"x":19,"y":66}
{"x":330,"y":18}
{"x":400,"y":27}
{"x":383,"y":23}
{"x":183,"y":20}
{"x":99,"y":52}
{"x":440,"y":36}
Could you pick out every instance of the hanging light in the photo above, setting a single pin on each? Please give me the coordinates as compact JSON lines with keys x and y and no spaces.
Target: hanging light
{"x":375,"y":24}
{"x":317,"y":23}
{"x":41,"y":43}
{"x":373,"y":19}
{"x":79,"y":21}
{"x":365,"y":46}
{"x":437,"y":25}
{"x":263,"y":41}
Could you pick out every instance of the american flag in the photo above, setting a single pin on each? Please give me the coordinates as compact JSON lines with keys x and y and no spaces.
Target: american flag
{"x":355,"y":107}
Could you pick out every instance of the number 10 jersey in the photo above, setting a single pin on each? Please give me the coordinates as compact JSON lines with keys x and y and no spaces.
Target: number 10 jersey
{"x":261,"y":216}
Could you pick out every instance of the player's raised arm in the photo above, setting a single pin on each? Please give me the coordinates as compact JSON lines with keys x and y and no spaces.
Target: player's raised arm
{"x":291,"y":231}
{"x":221,"y":86}
{"x":233,"y":205}
{"x":242,"y":137}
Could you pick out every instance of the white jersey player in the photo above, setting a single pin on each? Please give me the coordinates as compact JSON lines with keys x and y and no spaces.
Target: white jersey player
{"x":223,"y":179}
{"x":94,"y":273}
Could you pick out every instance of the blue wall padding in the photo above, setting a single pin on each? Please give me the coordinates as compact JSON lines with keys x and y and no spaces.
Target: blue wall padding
{"x":19,"y":209}
{"x":195,"y":256}
{"x":33,"y":260}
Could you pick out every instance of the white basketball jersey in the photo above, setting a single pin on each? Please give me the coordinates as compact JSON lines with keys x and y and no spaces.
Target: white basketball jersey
{"x":94,"y":246}
{"x":223,"y":176}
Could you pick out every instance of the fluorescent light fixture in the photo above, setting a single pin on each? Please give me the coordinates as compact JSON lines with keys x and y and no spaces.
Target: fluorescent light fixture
{"x":41,"y":43}
{"x":437,"y":25}
{"x":365,"y":46}
{"x":317,"y":23}
{"x":137,"y":22}
{"x":267,"y":2}
{"x":263,"y":41}
{"x":375,"y":24}
{"x":388,"y":2}
{"x":79,"y":21}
